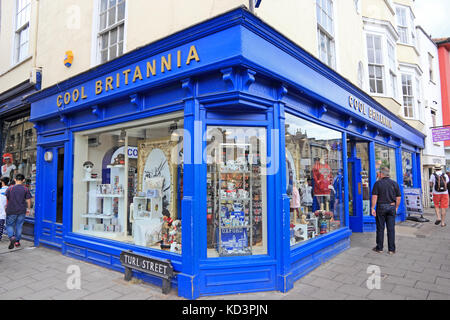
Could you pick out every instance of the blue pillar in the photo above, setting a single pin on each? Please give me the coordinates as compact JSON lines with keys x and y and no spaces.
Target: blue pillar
{"x":284,"y":280}
{"x":345,"y":169}
{"x":188,"y":278}
{"x":399,"y":170}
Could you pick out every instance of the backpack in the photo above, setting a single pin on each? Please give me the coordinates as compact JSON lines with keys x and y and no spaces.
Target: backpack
{"x":440,"y":185}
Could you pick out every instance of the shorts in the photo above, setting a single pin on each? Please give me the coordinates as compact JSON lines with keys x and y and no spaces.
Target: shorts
{"x":440,"y":200}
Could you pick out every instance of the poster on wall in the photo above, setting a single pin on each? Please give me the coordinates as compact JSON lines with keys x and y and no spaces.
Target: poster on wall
{"x":413,"y":201}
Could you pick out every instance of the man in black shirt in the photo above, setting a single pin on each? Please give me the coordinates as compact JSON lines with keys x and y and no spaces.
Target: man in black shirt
{"x":386,"y":196}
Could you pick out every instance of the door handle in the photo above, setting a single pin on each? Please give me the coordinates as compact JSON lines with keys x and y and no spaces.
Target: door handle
{"x":359,"y":188}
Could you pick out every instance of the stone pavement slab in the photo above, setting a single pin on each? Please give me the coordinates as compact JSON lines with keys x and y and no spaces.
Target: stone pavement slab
{"x":419,"y":270}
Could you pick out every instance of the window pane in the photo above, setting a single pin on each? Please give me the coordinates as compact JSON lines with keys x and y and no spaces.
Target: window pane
{"x":113,"y":37}
{"x":104,"y":41}
{"x":407,"y":169}
{"x":314,"y":179}
{"x":111,"y":16}
{"x":385,"y":157}
{"x":103,"y":21}
{"x":236,"y":191}
{"x":113,"y":52}
{"x":134,"y":196}
{"x":120,"y":48}
{"x":104,"y":56}
{"x":103,"y":5}
{"x":121,"y":11}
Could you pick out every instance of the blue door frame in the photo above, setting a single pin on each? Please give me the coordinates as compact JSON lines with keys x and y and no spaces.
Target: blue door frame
{"x":50,"y":231}
{"x":356,"y":220}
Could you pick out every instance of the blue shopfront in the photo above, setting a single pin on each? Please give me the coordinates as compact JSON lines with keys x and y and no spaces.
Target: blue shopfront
{"x":224,"y":148}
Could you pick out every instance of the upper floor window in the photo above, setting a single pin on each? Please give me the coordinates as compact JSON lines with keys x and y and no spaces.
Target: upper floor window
{"x":433,"y":118}
{"x":111,"y":29}
{"x":430,"y":66}
{"x":392,"y":68}
{"x":405,"y":26}
{"x":375,"y":58}
{"x":325,"y":32}
{"x":22,"y":29}
{"x":408,"y":97}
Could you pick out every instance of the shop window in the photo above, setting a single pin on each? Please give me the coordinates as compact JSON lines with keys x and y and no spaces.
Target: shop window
{"x":111,"y":29}
{"x":385,"y":157}
{"x":128,"y":182}
{"x":362,"y":153}
{"x":407,"y":169}
{"x":19,"y":153}
{"x":236,"y":191}
{"x":314,"y":177}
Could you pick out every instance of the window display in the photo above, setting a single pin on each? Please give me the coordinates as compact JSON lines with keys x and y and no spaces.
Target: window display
{"x":314,"y":179}
{"x":19,"y":153}
{"x":407,"y":169}
{"x":385,"y":157}
{"x":127,"y":182}
{"x":362,"y":153}
{"x":236,"y":191}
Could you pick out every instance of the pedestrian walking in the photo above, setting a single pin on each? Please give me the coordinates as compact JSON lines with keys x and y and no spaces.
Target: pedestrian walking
{"x":18,"y":206}
{"x":386,"y":196}
{"x":4,"y":186}
{"x":438,"y":183}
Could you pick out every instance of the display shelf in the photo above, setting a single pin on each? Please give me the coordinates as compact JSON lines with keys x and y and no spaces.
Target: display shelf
{"x":97,"y":216}
{"x":99,"y":195}
{"x":101,"y":234}
{"x":110,"y":166}
{"x":92,"y":180}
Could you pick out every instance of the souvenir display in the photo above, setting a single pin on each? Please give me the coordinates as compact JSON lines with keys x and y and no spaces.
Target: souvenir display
{"x":234,"y":201}
{"x":126,"y":185}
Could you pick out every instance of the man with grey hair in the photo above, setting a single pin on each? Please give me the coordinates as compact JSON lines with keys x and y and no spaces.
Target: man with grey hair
{"x":386,"y":196}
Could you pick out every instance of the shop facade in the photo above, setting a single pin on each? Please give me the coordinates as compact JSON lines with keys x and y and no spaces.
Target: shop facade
{"x":224,"y":148}
{"x":18,"y":142}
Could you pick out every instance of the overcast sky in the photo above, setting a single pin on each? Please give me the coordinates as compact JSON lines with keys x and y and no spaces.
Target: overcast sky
{"x":433,"y":17}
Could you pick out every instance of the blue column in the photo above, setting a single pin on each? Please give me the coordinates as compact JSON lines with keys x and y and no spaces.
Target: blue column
{"x":188,"y":278}
{"x":345,"y":169}
{"x":282,"y":203}
{"x":399,"y":170}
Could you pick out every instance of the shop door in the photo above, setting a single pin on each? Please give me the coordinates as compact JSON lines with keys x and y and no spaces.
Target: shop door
{"x":355,"y":195}
{"x":51,"y":230}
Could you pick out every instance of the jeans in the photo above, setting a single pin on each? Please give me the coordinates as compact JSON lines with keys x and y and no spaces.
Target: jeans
{"x":14,"y":225}
{"x":385,"y":216}
{"x":2,"y":227}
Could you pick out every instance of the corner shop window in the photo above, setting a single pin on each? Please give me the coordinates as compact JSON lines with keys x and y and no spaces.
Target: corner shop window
{"x":128,"y":182}
{"x":236,"y":191}
{"x":385,"y":157}
{"x":407,"y":169}
{"x":19,"y":153}
{"x":314,"y":179}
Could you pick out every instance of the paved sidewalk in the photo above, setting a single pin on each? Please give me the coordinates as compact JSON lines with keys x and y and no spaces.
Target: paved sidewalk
{"x":419,"y":270}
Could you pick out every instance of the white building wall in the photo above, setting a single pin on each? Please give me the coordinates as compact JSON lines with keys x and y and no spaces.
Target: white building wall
{"x":433,"y":153}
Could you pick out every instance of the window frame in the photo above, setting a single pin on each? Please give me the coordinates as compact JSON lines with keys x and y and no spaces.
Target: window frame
{"x":119,"y":27}
{"x":22,"y":7}
{"x":411,"y":113}
{"x":328,"y":32}
{"x":376,"y":64}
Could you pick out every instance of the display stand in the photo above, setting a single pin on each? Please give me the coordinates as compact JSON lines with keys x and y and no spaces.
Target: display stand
{"x":234,"y":206}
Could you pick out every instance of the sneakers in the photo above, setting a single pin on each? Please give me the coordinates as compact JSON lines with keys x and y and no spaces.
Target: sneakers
{"x":376,"y":250}
{"x":11,"y":243}
{"x":391,"y":253}
{"x":17,"y":244}
{"x":437,"y":222}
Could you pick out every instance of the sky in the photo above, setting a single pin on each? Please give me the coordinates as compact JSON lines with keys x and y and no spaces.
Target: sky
{"x":433,"y":17}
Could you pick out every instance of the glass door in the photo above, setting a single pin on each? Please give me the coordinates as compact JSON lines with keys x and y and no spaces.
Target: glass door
{"x":355,"y":194}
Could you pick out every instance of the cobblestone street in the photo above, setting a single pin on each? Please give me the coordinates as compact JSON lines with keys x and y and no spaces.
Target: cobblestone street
{"x":419,"y":270}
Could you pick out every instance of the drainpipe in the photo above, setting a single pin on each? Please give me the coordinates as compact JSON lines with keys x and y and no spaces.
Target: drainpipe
{"x":35,"y":77}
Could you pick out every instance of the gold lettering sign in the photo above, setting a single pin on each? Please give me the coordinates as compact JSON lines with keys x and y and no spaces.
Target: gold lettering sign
{"x":359,"y":106}
{"x":149,"y":68}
